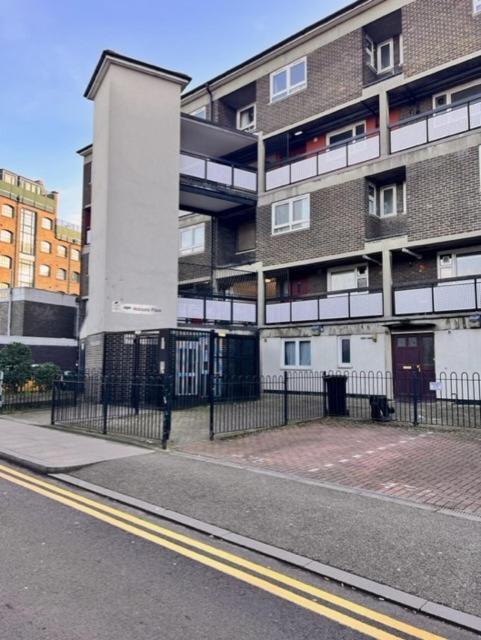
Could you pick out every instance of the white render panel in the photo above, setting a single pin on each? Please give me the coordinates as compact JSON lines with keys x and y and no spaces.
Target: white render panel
{"x":192,"y":308}
{"x":413,"y":301}
{"x":218,"y":310}
{"x":278,"y":312}
{"x":366,"y":304}
{"x":334,"y":307}
{"x":218,"y":172}
{"x":448,"y":123}
{"x":192,"y":166}
{"x":245,"y":312}
{"x":304,"y":169}
{"x":304,"y":310}
{"x":455,"y":296}
{"x":245,"y":179}
{"x":475,"y":114}
{"x":277,"y":177}
{"x":332,"y":160}
{"x":363,"y":150}
{"x":409,"y":135}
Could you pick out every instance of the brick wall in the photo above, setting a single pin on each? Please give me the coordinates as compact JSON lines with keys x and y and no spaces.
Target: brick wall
{"x":437,"y":31}
{"x":337,"y":225}
{"x":224,"y":115}
{"x":334,"y":76}
{"x":408,"y":270}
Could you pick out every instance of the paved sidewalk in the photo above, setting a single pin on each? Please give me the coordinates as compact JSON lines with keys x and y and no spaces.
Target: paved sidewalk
{"x":51,"y":450}
{"x":433,"y":468}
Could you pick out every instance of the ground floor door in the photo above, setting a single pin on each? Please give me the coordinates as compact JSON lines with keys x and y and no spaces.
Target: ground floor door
{"x":413,"y":360}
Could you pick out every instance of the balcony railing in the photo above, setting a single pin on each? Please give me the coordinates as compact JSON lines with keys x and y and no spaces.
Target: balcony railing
{"x":453,"y":294}
{"x":339,"y":156}
{"x":219,"y":171}
{"x":216,"y":309}
{"x":342,"y":305}
{"x":435,"y":125}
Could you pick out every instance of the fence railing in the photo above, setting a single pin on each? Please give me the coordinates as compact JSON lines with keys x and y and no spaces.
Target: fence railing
{"x":361,"y":303}
{"x":211,"y":309}
{"x":453,"y":294}
{"x":435,"y":125}
{"x":339,"y":156}
{"x":26,"y":396}
{"x":134,"y":408}
{"x":220,"y":171}
{"x":418,"y":398}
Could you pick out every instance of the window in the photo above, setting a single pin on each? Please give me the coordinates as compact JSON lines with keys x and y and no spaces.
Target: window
{"x":344,"y":345}
{"x":7,"y":211}
{"x":291,"y":215}
{"x":45,"y":247}
{"x":47,"y":223}
{"x":27,"y":232}
{"x":466,"y":263}
{"x":61,"y":274}
{"x":75,"y":276}
{"x":372,"y":199}
{"x":246,"y":237}
{"x":200,"y":113}
{"x":44,"y":270}
{"x":61,"y":251}
{"x":4,"y":285}
{"x":75,"y":254}
{"x":370,"y":52}
{"x":477,"y":6}
{"x":297,"y":354}
{"x":460,"y":93}
{"x":9,"y":178}
{"x":386,"y":201}
{"x":6,"y":236}
{"x":385,"y":56}
{"x":192,"y":239}
{"x":25,"y":273}
{"x":346,"y":134}
{"x":346,"y":278}
{"x":5,"y":262}
{"x":246,"y":118}
{"x":288,"y":80}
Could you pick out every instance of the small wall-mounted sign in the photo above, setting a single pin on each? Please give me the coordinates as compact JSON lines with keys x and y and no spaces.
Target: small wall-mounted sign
{"x":123,"y":307}
{"x":435,"y":386}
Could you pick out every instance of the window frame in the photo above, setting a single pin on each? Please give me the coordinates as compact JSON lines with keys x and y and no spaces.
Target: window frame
{"x":351,"y":128}
{"x":9,"y":261}
{"x":6,"y":206}
{"x":75,"y":254}
{"x":454,"y":258}
{"x":290,"y":202}
{"x":370,"y":52}
{"x":64,"y":272}
{"x":449,"y":92}
{"x":48,"y":268}
{"x":382,"y":191}
{"x":47,"y":223}
{"x":10,"y":236}
{"x":62,"y":251}
{"x":341,"y":364}
{"x":339,"y":269}
{"x":290,"y":89}
{"x":191,"y":250}
{"x":31,"y":269}
{"x":390,"y":43}
{"x":297,"y":354}
{"x":251,"y":127}
{"x":42,"y":245}
{"x":379,"y":199}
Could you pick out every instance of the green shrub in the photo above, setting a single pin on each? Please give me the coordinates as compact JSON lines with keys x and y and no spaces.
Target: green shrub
{"x":45,"y":374}
{"x":16,"y":364}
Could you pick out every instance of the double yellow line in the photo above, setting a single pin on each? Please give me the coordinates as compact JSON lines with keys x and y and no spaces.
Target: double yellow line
{"x":273,"y":582}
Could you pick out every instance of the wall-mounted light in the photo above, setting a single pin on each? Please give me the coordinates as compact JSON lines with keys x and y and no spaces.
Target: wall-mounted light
{"x":298,"y":133}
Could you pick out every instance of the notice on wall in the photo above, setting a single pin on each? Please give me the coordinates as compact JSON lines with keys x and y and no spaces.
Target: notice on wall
{"x":124,"y":307}
{"x":435,"y":386}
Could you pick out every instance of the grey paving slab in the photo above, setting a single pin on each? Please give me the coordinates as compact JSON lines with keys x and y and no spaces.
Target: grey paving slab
{"x":51,"y":450}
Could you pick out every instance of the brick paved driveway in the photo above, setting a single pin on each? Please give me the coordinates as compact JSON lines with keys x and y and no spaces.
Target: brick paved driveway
{"x":439,"y":469}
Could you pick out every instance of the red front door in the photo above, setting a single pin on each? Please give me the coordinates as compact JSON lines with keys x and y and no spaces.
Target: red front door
{"x":413,"y":353}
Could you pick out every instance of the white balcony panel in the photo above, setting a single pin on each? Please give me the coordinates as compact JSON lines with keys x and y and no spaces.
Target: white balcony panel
{"x":363,"y":150}
{"x":218,"y":172}
{"x":245,"y":312}
{"x":448,"y":123}
{"x":304,"y":169}
{"x":364,"y":305}
{"x":277,"y":177}
{"x":409,"y":301}
{"x":218,"y":310}
{"x":190,"y":308}
{"x":245,"y":179}
{"x":409,"y":135}
{"x":191,"y":166}
{"x":304,"y":310}
{"x":332,"y":160}
{"x":334,"y":307}
{"x":454,"y":296}
{"x":278,"y":312}
{"x":475,"y":115}
{"x":478,"y":292}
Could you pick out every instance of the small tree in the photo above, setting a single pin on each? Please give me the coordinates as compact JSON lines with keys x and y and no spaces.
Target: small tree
{"x":45,"y":374}
{"x":16,"y":364}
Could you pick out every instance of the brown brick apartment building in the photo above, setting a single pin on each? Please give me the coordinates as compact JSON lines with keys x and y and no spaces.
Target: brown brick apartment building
{"x":36,"y":249}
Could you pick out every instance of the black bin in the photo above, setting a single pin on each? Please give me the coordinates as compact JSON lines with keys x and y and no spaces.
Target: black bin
{"x":381,"y":411}
{"x":336,"y":395}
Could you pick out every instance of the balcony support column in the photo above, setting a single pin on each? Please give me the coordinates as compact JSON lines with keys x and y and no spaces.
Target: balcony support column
{"x":261,"y":163}
{"x":387,"y":282}
{"x":261,"y":298}
{"x":384,"y":123}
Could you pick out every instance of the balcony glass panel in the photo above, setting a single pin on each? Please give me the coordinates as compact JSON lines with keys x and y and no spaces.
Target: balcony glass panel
{"x":366,"y":304}
{"x":190,"y":308}
{"x":332,"y":160}
{"x":278,"y":312}
{"x":245,"y":179}
{"x":449,"y":123}
{"x":363,"y":150}
{"x":304,"y":169}
{"x":192,"y":166}
{"x":277,"y":177}
{"x":219,"y":172}
{"x":245,"y":312}
{"x":475,"y":114}
{"x":409,"y":301}
{"x":334,"y":307}
{"x":217,"y":310}
{"x":454,"y":296}
{"x":407,"y":136}
{"x":304,"y":310}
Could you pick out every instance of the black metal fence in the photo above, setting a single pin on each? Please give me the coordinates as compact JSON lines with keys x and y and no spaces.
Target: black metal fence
{"x":133,"y":408}
{"x":26,"y":396}
{"x":257,"y":402}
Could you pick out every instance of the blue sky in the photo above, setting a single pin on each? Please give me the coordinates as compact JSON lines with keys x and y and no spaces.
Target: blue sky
{"x":49,"y":49}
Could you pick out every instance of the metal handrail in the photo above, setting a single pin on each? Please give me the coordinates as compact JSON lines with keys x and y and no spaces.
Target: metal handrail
{"x":437,"y":111}
{"x":324,"y":294}
{"x":433,"y":283}
{"x":227,"y":163}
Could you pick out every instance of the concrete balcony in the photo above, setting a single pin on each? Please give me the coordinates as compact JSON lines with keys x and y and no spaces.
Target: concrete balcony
{"x":342,"y":305}
{"x":442,"y":296}
{"x":192,"y":309}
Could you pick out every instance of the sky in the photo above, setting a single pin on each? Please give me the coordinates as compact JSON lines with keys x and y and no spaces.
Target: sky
{"x":49,"y":49}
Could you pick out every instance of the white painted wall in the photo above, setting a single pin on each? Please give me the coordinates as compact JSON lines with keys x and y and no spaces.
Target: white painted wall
{"x":457,"y":351}
{"x":135,"y":196}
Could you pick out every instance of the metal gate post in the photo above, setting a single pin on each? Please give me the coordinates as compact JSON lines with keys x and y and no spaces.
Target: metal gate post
{"x":54,"y":398}
{"x":105,"y":406}
{"x":324,"y":394}
{"x":286,"y":398}
{"x":167,"y":420}
{"x":415,"y":383}
{"x":211,"y":383}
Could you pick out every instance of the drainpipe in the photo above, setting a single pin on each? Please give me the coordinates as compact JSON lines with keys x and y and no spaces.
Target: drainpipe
{"x":211,"y":101}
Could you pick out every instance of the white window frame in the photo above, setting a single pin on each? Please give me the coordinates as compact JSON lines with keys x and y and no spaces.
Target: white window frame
{"x":10,"y":236}
{"x":192,"y":250}
{"x":449,"y":92}
{"x":62,"y":251}
{"x":43,"y":243}
{"x":64,"y":272}
{"x":8,"y":259}
{"x":296,"y":365}
{"x":454,"y":255}
{"x":75,"y":255}
{"x":476,"y":7}
{"x":252,"y":126}
{"x":340,"y":363}
{"x":390,"y":42}
{"x":351,"y":127}
{"x":200,"y":113}
{"x":374,"y":212}
{"x":370,"y":49}
{"x":277,"y":230}
{"x":8,"y":207}
{"x":382,"y":191}
{"x":290,"y":89}
{"x":47,"y":268}
{"x":353,"y":267}
{"x":47,"y":223}
{"x":379,"y":196}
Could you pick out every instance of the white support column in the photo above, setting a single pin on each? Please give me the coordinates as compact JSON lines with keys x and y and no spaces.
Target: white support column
{"x":387,"y":282}
{"x":384,"y":123}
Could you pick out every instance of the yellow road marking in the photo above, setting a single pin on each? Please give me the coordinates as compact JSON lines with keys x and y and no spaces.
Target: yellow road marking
{"x":281,"y":578}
